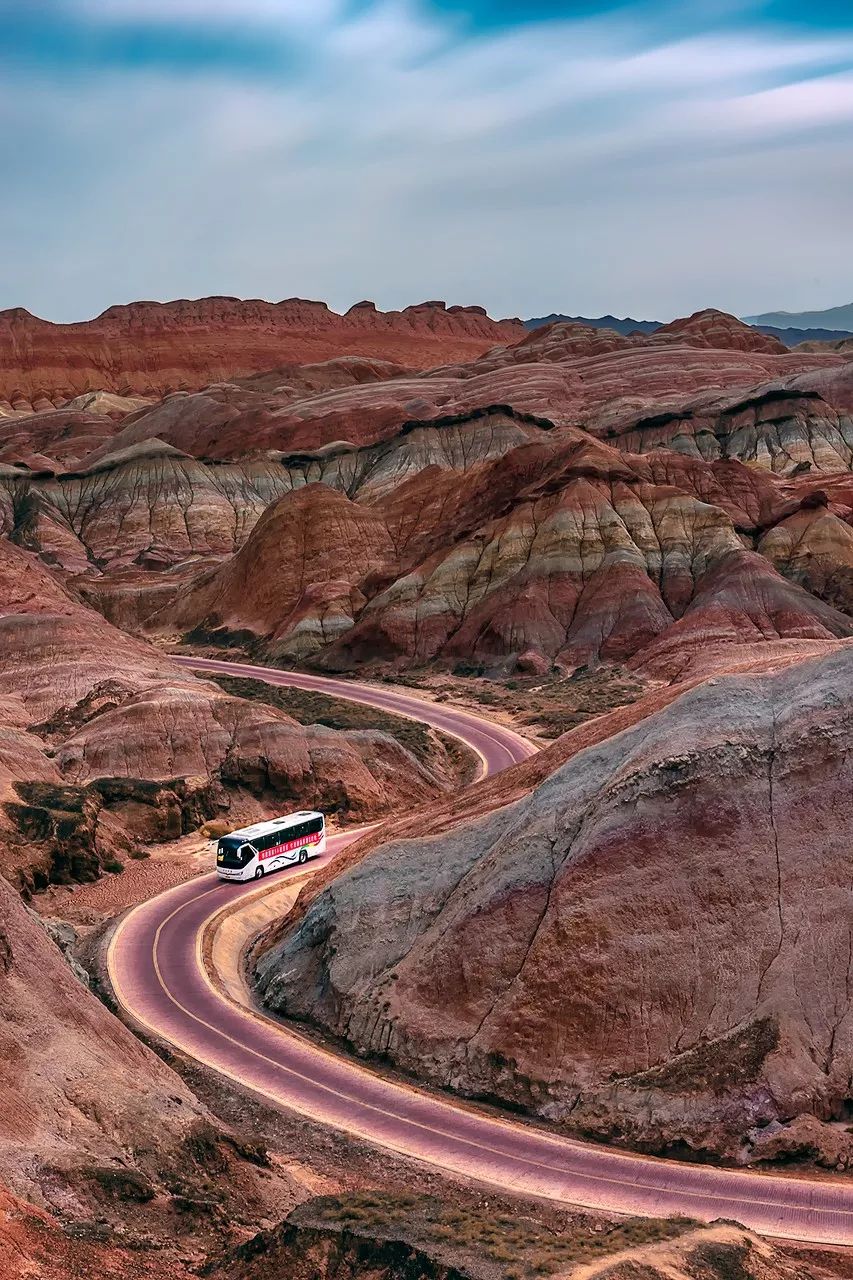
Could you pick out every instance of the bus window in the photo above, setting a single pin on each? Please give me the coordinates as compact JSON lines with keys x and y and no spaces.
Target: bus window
{"x":232,"y":853}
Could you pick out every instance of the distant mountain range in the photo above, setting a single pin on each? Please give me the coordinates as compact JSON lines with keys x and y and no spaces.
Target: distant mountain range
{"x":839,"y":319}
{"x":793,"y":337}
{"x":603,"y":322}
{"x":790,"y":327}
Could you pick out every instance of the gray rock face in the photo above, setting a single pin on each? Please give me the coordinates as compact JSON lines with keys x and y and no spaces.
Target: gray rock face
{"x":66,"y":937}
{"x":149,"y":505}
{"x":655,"y":945}
{"x":802,"y":424}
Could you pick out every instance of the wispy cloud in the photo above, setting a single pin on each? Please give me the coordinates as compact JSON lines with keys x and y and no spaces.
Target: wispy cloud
{"x":341,"y":149}
{"x":825,"y":100}
{"x":269,"y":11}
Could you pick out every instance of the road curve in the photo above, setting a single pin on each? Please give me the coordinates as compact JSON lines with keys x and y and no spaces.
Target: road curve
{"x":155,"y":967}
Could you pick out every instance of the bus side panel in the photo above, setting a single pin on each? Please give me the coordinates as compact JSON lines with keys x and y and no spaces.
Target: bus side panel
{"x":283,"y":854}
{"x":289,"y":849}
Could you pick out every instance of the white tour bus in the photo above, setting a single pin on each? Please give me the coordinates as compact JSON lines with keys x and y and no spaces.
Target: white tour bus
{"x":251,"y":852}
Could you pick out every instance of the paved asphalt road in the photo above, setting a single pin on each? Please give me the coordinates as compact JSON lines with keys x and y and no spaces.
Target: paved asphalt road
{"x":154,"y":963}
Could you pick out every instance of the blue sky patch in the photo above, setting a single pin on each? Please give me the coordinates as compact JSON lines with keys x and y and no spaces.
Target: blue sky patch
{"x":633,"y":156}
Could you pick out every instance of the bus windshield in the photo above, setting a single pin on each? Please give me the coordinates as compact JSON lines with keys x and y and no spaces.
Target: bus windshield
{"x":232,"y":852}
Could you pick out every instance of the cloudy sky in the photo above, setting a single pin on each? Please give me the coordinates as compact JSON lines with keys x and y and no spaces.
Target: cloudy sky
{"x":640,"y":157}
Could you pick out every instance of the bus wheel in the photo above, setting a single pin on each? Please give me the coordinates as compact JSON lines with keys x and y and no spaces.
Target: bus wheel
{"x":259,"y":874}
{"x":303,"y":855}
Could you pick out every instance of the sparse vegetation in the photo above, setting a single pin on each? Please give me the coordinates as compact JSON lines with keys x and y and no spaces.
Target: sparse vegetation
{"x":308,"y":707}
{"x":519,"y":1247}
{"x":334,"y":713}
{"x":549,"y":705}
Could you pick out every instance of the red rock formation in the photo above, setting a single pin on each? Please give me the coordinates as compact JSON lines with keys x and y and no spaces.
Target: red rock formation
{"x":790,"y":426}
{"x":296,"y":581}
{"x":53,"y":440}
{"x":151,"y":347}
{"x":34,"y":1245}
{"x":563,"y":550}
{"x":148,"y":506}
{"x":682,"y":505}
{"x":93,"y":1123}
{"x":709,"y":329}
{"x":635,"y":949}
{"x":559,"y":550}
{"x":717,"y":329}
{"x":605,"y":393}
{"x":742,"y":611}
{"x":328,"y":375}
{"x":94,"y":720}
{"x":568,"y":373}
{"x":555,"y":343}
{"x":814,"y":545}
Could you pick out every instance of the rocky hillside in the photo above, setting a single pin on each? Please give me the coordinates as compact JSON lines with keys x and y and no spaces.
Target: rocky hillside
{"x":413,"y":1238}
{"x":107,"y":744}
{"x":657,"y":967}
{"x":96,"y":1127}
{"x":558,"y":551}
{"x":639,"y":934}
{"x":579,"y":496}
{"x":149,"y":348}
{"x":569,"y":374}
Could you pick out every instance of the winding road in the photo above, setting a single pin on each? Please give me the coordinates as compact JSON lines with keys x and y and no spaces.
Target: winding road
{"x":159,"y":979}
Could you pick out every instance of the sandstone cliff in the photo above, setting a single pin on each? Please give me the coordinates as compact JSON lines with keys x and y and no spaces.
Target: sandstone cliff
{"x":152,"y":347}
